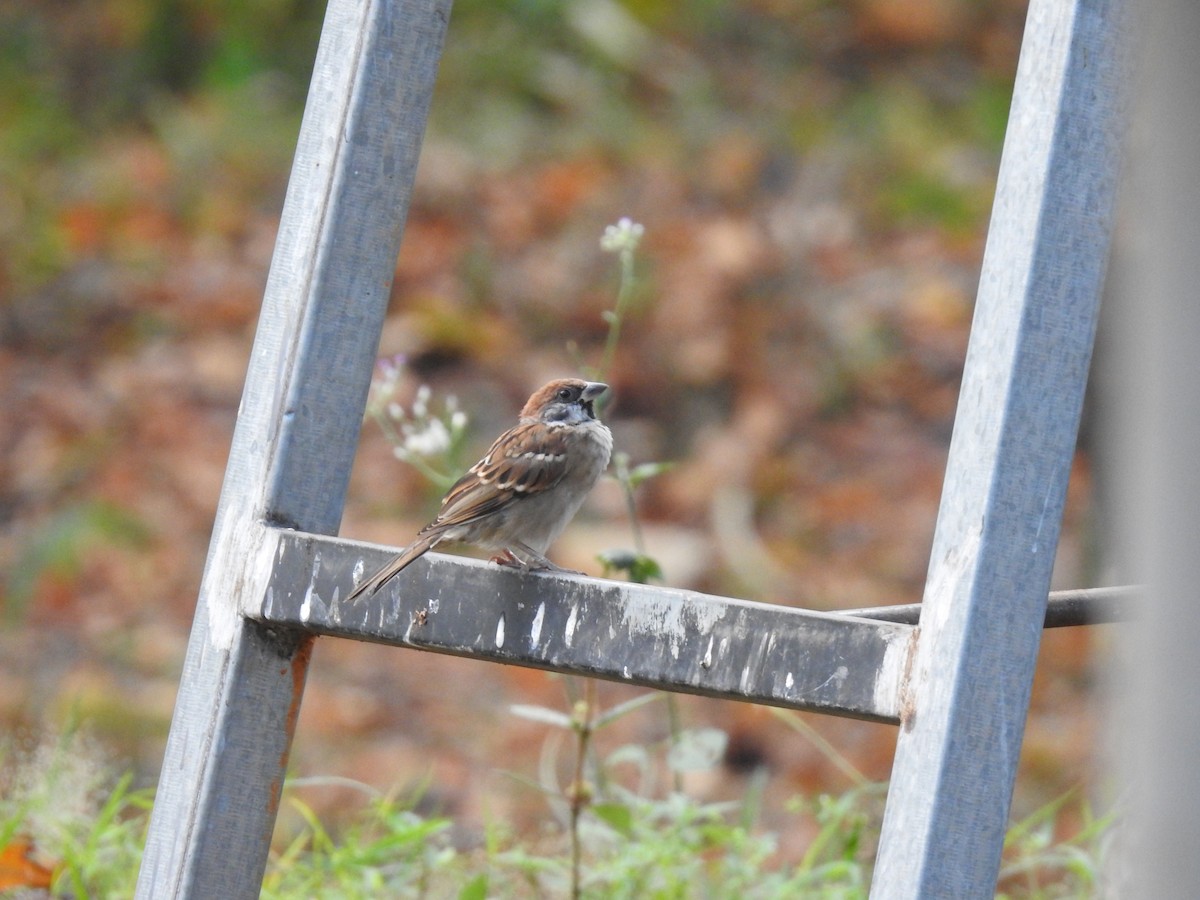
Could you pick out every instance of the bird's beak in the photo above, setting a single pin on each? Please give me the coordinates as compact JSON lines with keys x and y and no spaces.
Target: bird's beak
{"x":593,"y":390}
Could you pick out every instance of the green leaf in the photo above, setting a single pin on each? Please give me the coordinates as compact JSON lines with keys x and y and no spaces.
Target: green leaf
{"x":637,"y":566}
{"x":645,"y":471}
{"x":617,"y":559}
{"x":644,"y":568}
{"x":475,"y":889}
{"x":617,"y":816}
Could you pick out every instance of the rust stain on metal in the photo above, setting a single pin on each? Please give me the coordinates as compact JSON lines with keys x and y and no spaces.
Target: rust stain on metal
{"x":298,"y":667}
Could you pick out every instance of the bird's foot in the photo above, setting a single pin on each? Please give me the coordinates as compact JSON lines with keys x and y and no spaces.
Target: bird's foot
{"x":507,"y":559}
{"x":529,"y":560}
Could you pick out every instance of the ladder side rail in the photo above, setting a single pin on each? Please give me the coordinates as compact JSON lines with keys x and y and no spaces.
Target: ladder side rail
{"x":294,"y":442}
{"x":1015,"y":429}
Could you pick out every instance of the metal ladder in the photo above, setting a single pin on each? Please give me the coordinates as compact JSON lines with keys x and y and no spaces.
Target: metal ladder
{"x":957,"y":684}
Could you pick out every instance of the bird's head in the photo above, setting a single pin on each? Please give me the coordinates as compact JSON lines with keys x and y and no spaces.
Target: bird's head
{"x":568,"y":401}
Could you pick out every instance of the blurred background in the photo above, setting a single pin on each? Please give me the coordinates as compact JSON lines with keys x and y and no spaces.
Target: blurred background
{"x":814,"y":179}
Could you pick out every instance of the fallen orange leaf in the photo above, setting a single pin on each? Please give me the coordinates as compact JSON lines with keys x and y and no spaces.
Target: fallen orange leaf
{"x":18,"y":868}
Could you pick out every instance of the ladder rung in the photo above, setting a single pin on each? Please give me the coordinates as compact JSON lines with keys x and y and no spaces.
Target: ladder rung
{"x":652,"y":636}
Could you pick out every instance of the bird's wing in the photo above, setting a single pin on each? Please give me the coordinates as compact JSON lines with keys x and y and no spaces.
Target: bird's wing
{"x":525,"y":460}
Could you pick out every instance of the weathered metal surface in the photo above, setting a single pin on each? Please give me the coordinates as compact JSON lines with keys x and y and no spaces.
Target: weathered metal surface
{"x":653,"y":636}
{"x":1064,"y":609}
{"x":294,"y":442}
{"x":1010,"y":457}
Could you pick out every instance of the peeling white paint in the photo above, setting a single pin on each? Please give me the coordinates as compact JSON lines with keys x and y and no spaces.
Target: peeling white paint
{"x":569,"y":633}
{"x":745,"y":682}
{"x":707,"y":661}
{"x":670,"y":616}
{"x":500,"y":632}
{"x":789,"y":682}
{"x":949,"y":578}
{"x":335,"y":606}
{"x":432,"y":605}
{"x":310,"y":595}
{"x":312,"y":602}
{"x":535,"y":632}
{"x":236,"y":577}
{"x":945,"y":579}
{"x":889,"y":680}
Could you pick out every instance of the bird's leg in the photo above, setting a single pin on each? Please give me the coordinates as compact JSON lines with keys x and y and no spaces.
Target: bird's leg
{"x":534,"y":561}
{"x":506,"y":558}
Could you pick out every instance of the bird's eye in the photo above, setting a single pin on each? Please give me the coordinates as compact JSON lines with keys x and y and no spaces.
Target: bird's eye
{"x":564,"y":394}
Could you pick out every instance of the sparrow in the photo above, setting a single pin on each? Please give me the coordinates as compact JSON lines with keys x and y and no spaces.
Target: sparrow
{"x":528,"y":486}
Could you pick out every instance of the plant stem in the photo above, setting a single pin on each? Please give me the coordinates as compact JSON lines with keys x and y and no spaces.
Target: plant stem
{"x":796,"y":723}
{"x":579,"y":795}
{"x":635,"y":526}
{"x":624,"y":293}
{"x":621,"y":464}
{"x":676,"y":731}
{"x":439,"y":479}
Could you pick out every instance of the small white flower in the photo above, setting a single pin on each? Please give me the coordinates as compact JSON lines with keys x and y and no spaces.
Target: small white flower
{"x":421,"y":402}
{"x":432,"y":440}
{"x":388,"y":373}
{"x":623,"y":237}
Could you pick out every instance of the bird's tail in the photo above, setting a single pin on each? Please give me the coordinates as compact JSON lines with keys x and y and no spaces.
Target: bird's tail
{"x":419,"y":547}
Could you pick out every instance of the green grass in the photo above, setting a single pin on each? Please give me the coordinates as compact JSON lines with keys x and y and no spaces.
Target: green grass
{"x":85,"y":824}
{"x":637,"y":842}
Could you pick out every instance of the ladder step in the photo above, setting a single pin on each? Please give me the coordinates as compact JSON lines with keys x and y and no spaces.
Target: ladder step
{"x":651,"y":636}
